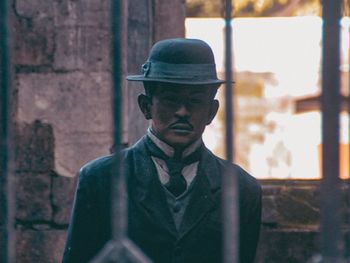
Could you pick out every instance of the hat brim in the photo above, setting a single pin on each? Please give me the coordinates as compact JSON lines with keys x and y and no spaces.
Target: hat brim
{"x":175,"y":81}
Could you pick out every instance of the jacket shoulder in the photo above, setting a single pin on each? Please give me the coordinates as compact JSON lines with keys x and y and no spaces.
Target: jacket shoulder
{"x":97,"y":165}
{"x":246,"y":181}
{"x":101,"y":166}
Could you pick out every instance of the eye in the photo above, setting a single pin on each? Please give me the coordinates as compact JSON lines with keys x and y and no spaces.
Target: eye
{"x":196,"y":100}
{"x":170,"y":99}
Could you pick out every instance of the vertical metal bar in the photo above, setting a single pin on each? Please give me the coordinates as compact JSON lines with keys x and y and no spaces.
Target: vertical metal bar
{"x":331,"y":239}
{"x":118,"y":196}
{"x":6,"y":192}
{"x":228,"y":76}
{"x":230,"y":187}
{"x":348,"y":98}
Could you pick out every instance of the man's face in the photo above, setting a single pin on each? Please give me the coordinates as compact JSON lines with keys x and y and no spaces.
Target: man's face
{"x":179,"y":113}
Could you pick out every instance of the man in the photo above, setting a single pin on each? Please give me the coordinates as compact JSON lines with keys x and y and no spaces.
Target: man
{"x":173,"y":180}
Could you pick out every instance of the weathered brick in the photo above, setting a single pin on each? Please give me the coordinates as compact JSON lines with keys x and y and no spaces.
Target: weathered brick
{"x":140,"y":40}
{"x":78,"y":107}
{"x":163,"y":22}
{"x":302,"y":204}
{"x":136,"y":121}
{"x":292,"y":246}
{"x":33,"y":43}
{"x":270,"y":213}
{"x":82,"y":48}
{"x":33,"y":197}
{"x":63,"y":189}
{"x":91,"y":13}
{"x":40,"y":246}
{"x":140,"y":11}
{"x":34,"y":8}
{"x":34,"y":147}
{"x":269,"y":189}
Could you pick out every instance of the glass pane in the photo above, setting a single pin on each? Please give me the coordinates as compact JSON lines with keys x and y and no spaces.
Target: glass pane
{"x":277,"y":85}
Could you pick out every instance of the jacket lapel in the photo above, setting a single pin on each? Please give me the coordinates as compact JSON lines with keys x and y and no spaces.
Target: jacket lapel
{"x":148,"y":190}
{"x":206,"y":193}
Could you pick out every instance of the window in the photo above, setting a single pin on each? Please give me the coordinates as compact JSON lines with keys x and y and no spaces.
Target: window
{"x":277,"y":63}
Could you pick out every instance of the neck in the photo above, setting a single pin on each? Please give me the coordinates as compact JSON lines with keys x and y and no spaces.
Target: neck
{"x":175,"y":151}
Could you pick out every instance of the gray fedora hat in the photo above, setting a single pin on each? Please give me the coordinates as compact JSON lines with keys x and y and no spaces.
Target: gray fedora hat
{"x":179,"y":60}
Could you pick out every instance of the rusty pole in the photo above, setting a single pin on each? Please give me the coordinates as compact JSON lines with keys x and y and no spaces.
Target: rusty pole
{"x":6,"y":185}
{"x":331,"y":237}
{"x":229,"y":182}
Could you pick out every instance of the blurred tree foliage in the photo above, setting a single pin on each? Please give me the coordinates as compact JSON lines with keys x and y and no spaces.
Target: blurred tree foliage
{"x":255,"y":8}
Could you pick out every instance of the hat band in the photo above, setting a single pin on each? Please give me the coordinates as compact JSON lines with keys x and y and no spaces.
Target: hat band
{"x":179,"y":71}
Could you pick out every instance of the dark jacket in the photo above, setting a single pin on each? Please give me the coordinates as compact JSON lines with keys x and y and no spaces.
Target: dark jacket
{"x":150,"y":223}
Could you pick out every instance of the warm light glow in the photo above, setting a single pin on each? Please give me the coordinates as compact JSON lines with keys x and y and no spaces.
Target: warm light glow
{"x":276,"y":61}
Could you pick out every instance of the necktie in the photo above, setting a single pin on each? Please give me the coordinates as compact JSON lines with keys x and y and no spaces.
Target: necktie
{"x":177,"y":183}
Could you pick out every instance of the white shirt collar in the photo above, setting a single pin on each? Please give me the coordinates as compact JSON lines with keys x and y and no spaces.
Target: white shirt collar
{"x":168,"y":150}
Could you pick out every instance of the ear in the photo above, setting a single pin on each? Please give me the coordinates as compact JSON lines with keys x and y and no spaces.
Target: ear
{"x":145,"y":103}
{"x":213,"y":110}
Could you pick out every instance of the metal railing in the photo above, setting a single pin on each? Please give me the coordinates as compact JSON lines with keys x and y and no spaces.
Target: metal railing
{"x":120,"y":248}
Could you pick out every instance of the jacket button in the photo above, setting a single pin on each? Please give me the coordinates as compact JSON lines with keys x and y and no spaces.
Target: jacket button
{"x":177,"y":207}
{"x":177,"y":255}
{"x":177,"y":250}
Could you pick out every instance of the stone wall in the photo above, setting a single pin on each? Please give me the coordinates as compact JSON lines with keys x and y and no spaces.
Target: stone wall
{"x":61,"y":97}
{"x":61,"y":61}
{"x":61,"y":58}
{"x":43,"y":198}
{"x":291,"y":221}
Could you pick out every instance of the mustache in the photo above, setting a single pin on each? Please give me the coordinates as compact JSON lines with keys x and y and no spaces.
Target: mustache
{"x":182,"y":123}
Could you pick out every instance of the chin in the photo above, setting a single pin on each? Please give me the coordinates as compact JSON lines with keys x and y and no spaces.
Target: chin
{"x":180,"y":141}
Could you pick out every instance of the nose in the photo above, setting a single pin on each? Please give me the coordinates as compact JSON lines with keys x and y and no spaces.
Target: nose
{"x":182,"y":111}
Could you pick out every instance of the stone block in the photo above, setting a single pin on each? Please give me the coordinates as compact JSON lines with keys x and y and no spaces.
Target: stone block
{"x":345,"y":200}
{"x":271,"y":189}
{"x":33,"y":43}
{"x":137,"y":123}
{"x":292,"y":246}
{"x":92,"y":13}
{"x":169,"y":19}
{"x":140,"y":28}
{"x":63,"y":189}
{"x":34,"y":8}
{"x":140,"y":12}
{"x":290,"y":204}
{"x":34,"y":147}
{"x":82,"y":48}
{"x":293,"y":202}
{"x":40,"y":246}
{"x":78,"y":107}
{"x":270,"y":215}
{"x":140,"y":45}
{"x":298,"y":206}
{"x":33,"y":197}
